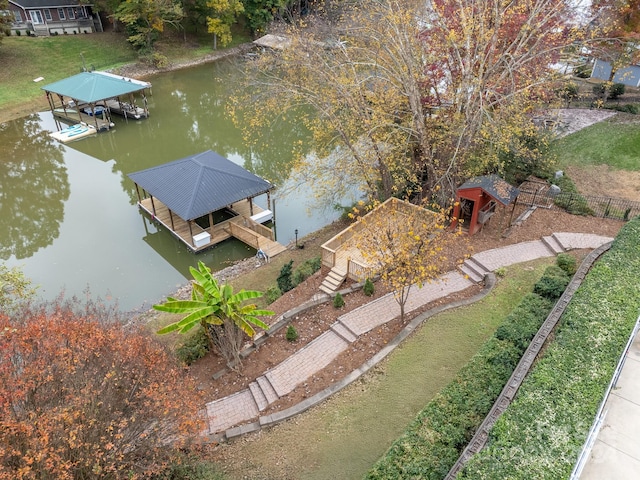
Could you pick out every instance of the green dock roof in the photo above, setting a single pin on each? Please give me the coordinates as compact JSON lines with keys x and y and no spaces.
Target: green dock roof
{"x":91,"y":87}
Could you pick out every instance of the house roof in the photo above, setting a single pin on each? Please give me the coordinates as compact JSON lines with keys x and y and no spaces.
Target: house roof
{"x":494,"y":186}
{"x":91,"y":87}
{"x":197,"y":185}
{"x":629,"y":75}
{"x":47,"y":3}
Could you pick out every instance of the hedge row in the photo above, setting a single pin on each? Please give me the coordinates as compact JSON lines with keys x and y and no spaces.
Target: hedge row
{"x":542,"y":433}
{"x":435,"y":439}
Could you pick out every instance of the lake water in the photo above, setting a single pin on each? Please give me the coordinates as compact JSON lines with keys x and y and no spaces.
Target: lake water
{"x":68,"y":213}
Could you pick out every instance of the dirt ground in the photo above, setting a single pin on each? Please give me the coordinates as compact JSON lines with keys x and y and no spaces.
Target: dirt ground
{"x":310,"y":324}
{"x":315,"y":321}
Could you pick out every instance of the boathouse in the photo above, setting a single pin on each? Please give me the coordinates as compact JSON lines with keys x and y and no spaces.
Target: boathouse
{"x":91,"y":98}
{"x":477,"y":199}
{"x":205,"y":199}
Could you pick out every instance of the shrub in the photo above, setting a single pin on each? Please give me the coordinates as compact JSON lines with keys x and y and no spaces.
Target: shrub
{"x":547,"y":424}
{"x":292,"y":333}
{"x":272,"y":294}
{"x":284,"y":279}
{"x":569,"y":198}
{"x":626,"y":108}
{"x":433,"y":442}
{"x":338,"y":301}
{"x":89,"y":398}
{"x":194,"y":347}
{"x":308,"y":268}
{"x":368,"y":287}
{"x":567,"y":263}
{"x":553,"y":283}
{"x":500,"y":272}
{"x":524,"y":321}
{"x":616,"y":90}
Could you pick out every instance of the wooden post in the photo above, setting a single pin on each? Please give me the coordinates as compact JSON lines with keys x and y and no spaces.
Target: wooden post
{"x":78,"y":107}
{"x":153,"y":206}
{"x":93,"y":112}
{"x":191,"y":234}
{"x":171,"y":219}
{"x":251,"y":206}
{"x":211,"y":222}
{"x":137,"y":192}
{"x":144,"y":101}
{"x":50,"y":102}
{"x":268,"y":199}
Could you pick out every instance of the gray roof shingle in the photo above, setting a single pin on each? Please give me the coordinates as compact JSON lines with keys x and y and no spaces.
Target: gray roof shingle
{"x":494,"y":186}
{"x":197,"y":185}
{"x":47,"y":3}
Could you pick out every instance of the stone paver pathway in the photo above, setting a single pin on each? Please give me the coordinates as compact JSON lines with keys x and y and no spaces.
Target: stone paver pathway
{"x":247,"y":404}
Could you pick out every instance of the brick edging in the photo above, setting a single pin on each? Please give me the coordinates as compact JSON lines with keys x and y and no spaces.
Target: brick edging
{"x":278,"y":417}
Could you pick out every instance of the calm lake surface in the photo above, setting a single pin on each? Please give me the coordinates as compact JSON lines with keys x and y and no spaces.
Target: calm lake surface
{"x":68,"y":213}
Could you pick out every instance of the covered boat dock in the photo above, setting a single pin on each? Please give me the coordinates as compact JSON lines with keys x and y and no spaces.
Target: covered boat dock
{"x":91,"y":97}
{"x":205,"y":199}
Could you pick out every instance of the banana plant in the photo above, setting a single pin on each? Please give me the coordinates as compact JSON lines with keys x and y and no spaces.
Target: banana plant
{"x":213,"y":304}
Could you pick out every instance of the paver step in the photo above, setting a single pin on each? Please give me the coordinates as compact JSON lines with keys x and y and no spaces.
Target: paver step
{"x":473,"y":269}
{"x":267,"y":389}
{"x":344,"y":332}
{"x":552,"y":243}
{"x":471,"y":273}
{"x":475,"y":263}
{"x":258,"y":396}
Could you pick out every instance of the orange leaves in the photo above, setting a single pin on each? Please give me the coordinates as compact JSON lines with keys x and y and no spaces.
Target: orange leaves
{"x":74,"y":401}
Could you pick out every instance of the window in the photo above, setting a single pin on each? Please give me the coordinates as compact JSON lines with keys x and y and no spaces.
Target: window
{"x":17,"y":18}
{"x":47,"y":14}
{"x":36,"y":16}
{"x":70,"y":13}
{"x":61,"y":13}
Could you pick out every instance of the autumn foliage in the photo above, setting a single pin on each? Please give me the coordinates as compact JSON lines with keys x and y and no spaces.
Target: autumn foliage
{"x":81,"y":399}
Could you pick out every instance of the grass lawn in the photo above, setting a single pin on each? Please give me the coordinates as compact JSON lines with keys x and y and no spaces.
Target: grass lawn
{"x":25,"y":58}
{"x":54,"y":58}
{"x":614,"y":143}
{"x":344,"y":436}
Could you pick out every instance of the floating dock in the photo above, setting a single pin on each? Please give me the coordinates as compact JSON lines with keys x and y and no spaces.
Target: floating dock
{"x":74,"y":132}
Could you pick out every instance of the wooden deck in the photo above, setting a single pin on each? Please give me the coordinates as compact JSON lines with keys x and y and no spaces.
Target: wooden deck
{"x":241,"y":227}
{"x":72,"y":116}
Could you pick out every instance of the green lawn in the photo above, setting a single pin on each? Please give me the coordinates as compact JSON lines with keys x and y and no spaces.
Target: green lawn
{"x":54,"y":58}
{"x":615,"y":142}
{"x":344,"y":436}
{"x":25,"y":58}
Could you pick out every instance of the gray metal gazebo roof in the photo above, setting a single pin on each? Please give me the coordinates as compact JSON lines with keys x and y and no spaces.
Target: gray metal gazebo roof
{"x":200,"y":184}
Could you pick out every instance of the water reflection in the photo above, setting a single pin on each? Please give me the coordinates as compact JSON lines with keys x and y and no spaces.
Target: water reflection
{"x":34,"y":188}
{"x":69,"y":215}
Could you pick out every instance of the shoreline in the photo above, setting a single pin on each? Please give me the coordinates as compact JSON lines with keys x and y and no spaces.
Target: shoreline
{"x":136,"y":70}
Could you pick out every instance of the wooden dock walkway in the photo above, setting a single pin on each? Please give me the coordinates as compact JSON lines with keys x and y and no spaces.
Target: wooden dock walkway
{"x":73,"y":116}
{"x":240,"y":226}
{"x":253,"y":238}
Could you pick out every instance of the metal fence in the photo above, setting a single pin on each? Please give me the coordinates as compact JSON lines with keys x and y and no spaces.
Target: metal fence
{"x":604,"y":207}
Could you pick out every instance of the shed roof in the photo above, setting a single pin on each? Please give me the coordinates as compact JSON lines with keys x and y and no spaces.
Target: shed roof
{"x":91,"y":87}
{"x":197,"y":185}
{"x":629,"y":75}
{"x":494,"y":186}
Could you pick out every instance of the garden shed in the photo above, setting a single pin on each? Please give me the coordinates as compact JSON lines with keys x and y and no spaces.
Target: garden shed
{"x":478,"y":198}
